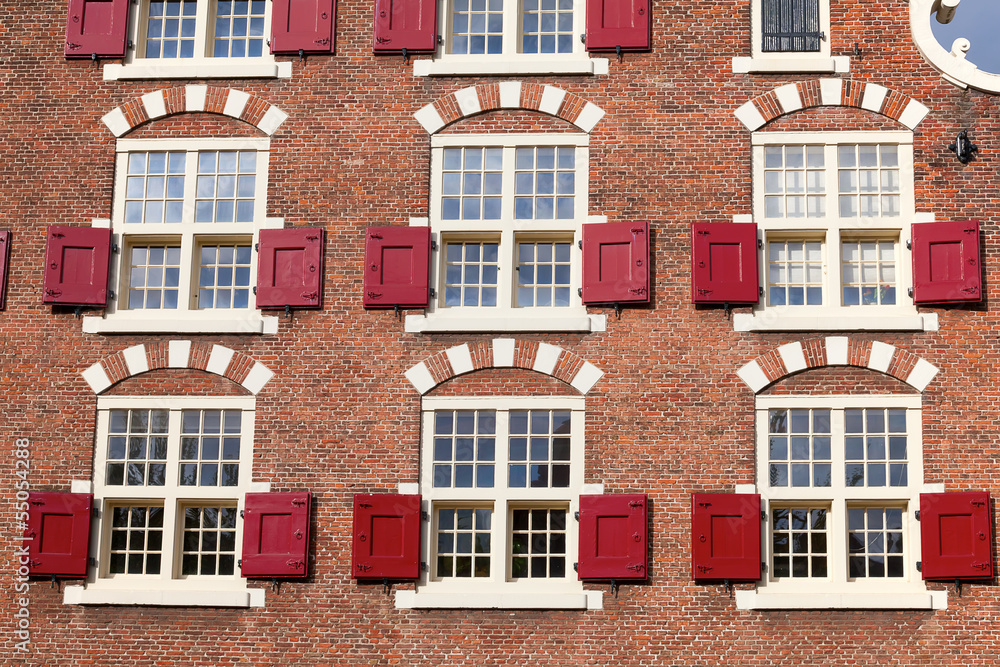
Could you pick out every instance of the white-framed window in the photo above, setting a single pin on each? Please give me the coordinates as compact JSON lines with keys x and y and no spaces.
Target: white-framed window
{"x":186,"y":215}
{"x":840,"y":478}
{"x":834,"y":211}
{"x":170,"y":476}
{"x":500,"y":479}
{"x":198,"y":39}
{"x":511,"y":37}
{"x":790,"y":36}
{"x":506,"y":218}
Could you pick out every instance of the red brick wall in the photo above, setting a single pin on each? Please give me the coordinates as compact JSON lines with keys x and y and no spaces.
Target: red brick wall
{"x":669,"y":416}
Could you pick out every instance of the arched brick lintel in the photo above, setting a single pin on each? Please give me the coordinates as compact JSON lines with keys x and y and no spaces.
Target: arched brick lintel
{"x":195,"y":99}
{"x":504,"y":353}
{"x":475,"y":100}
{"x":217,"y":359}
{"x":837,"y":351}
{"x":786,"y":99}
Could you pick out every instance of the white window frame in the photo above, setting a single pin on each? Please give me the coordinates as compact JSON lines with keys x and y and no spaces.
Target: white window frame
{"x":510,"y":61}
{"x":762,"y":62}
{"x":832,"y":229}
{"x":505,"y":316}
{"x":185,"y":318}
{"x":168,"y":587}
{"x":836,"y":590}
{"x":201,"y":66}
{"x":497,"y":590}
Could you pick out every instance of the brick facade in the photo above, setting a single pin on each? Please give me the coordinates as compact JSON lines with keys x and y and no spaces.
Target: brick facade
{"x":669,"y":387}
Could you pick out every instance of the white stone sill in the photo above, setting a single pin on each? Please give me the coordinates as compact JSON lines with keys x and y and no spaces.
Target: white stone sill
{"x":591,"y":600}
{"x":496,"y":65}
{"x":207,"y":68}
{"x":835,"y":322}
{"x":925,"y":600}
{"x":174,"y":597}
{"x":436,"y":322}
{"x":177,"y":323}
{"x":766,"y":65}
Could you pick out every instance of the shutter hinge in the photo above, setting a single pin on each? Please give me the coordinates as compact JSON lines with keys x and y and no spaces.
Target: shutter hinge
{"x":579,"y":244}
{"x":423,"y":566}
{"x":114,"y":247}
{"x":256,"y":247}
{"x":917,"y":515}
{"x":763,"y":567}
{"x":434,"y":244}
{"x":920,"y":566}
{"x":822,"y":35}
{"x":579,"y":291}
{"x":576,"y":567}
{"x":433,"y":293}
{"x":239,"y":563}
{"x":241,"y":514}
{"x":95,"y":512}
{"x":91,"y":561}
{"x":255,"y":290}
{"x":111,"y":294}
{"x":576,"y":515}
{"x":760,"y":291}
{"x":763,"y":516}
{"x":909,"y":244}
{"x":909,"y":292}
{"x":760,"y":244}
{"x":424,"y":515}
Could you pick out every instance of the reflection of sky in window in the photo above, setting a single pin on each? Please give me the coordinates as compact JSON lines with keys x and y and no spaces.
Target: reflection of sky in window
{"x":977,"y":21}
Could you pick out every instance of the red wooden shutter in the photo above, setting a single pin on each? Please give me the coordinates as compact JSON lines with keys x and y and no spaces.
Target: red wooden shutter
{"x":305,"y":25}
{"x":725,"y":531}
{"x":290,"y":268}
{"x":946,"y":264}
{"x":58,"y":533}
{"x":4,"y":265}
{"x":96,"y":27}
{"x":405,"y":24}
{"x":956,"y":535}
{"x":386,"y":536}
{"x":616,"y":262}
{"x":618,"y":23}
{"x":724,"y":262}
{"x":276,"y":534}
{"x":613,"y":537}
{"x":76,"y":266}
{"x":397,"y":260}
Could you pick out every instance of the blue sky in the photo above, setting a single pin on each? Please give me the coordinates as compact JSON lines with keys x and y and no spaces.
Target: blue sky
{"x":979,"y":22}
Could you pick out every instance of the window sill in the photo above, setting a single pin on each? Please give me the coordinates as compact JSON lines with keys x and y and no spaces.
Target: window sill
{"x":576,"y":320}
{"x":450,"y":66}
{"x":208,"y":68}
{"x":174,"y":597}
{"x":248,"y":323}
{"x":833,"y":321}
{"x":922,"y":600}
{"x":583,"y":600}
{"x":768,"y":65}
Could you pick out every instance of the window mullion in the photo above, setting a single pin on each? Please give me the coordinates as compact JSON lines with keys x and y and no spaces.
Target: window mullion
{"x":511,"y":28}
{"x":834,"y":268}
{"x":203,"y":17}
{"x":171,"y":540}
{"x":837,"y":540}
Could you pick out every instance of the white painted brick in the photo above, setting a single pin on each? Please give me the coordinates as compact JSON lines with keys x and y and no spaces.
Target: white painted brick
{"x":922,"y":374}
{"x":586,"y":377}
{"x":750,"y":116}
{"x":788,"y":97}
{"x":831,"y":91}
{"x":258,"y":376}
{"x":156,"y":106}
{"x":836,"y":350}
{"x":552,"y":99}
{"x":97,"y":378}
{"x":236,"y":102}
{"x":194,"y":97}
{"x":178,"y":353}
{"x":135,"y":359}
{"x":429,"y":118}
{"x":218,"y":360}
{"x":272,"y":120}
{"x":881,"y":356}
{"x":913,"y":114}
{"x":874,"y":97}
{"x":468,"y":101}
{"x":510,"y":94}
{"x":754,"y":376}
{"x":589,"y":117}
{"x":116,"y":122}
{"x":546,"y":358}
{"x":503,"y":352}
{"x":793,"y":356}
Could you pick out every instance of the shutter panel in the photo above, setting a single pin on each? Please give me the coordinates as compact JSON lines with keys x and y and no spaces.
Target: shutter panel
{"x":790,"y":25}
{"x":956,"y":535}
{"x":616,"y":262}
{"x":405,"y":24}
{"x":946,"y":263}
{"x":724,"y":262}
{"x":290,"y":268}
{"x":386,"y":536}
{"x":58,"y":533}
{"x":397,"y":260}
{"x":4,"y":265}
{"x":725,"y":531}
{"x":613,"y":537}
{"x":614,"y":24}
{"x":276,"y":534}
{"x":96,"y":27}
{"x":305,"y":25}
{"x":76,"y":266}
